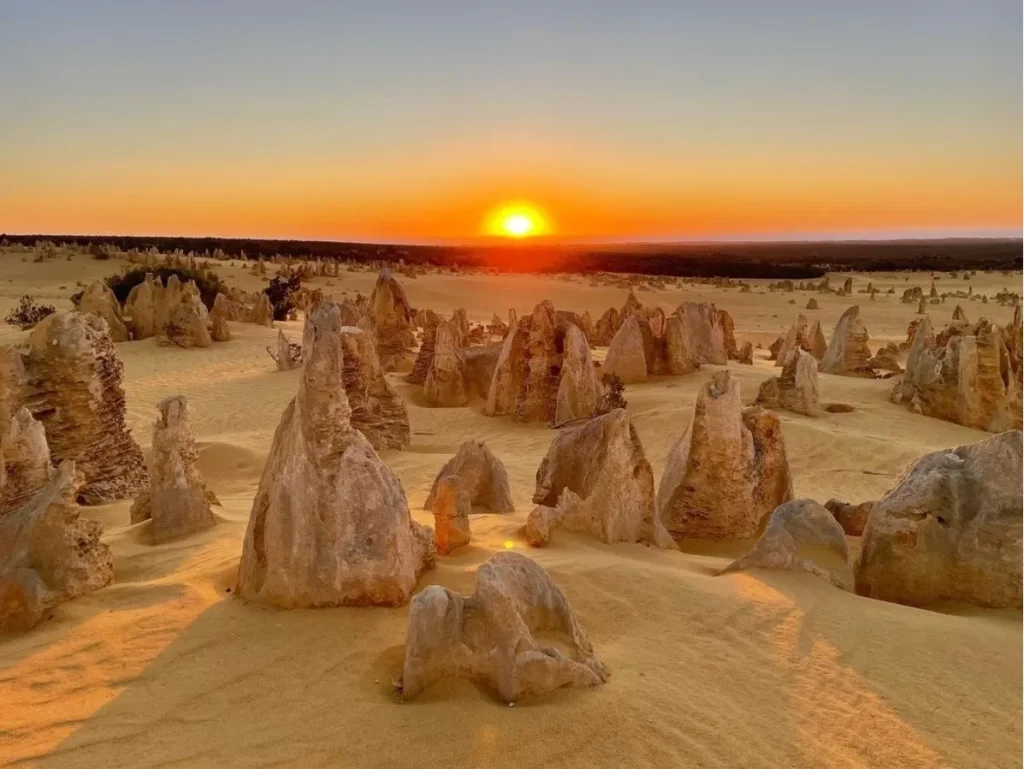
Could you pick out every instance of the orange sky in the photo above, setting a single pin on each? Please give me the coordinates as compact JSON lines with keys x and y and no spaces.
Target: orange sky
{"x":669,"y":121}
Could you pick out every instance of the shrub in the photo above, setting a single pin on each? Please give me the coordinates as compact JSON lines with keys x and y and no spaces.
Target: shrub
{"x":611,"y":398}
{"x":98,"y":252}
{"x":281,"y":292}
{"x":207,"y":281}
{"x":27,"y":314}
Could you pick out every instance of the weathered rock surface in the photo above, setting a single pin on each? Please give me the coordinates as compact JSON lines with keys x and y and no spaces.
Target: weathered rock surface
{"x":491,"y":636}
{"x":702,"y":326}
{"x":48,"y":555}
{"x":579,"y":387}
{"x":606,"y":327}
{"x":949,"y":529}
{"x":626,"y":358}
{"x":792,"y":540}
{"x":848,"y":353}
{"x":728,"y":471}
{"x":794,"y":339}
{"x":177,"y":499}
{"x":852,"y":518}
{"x":528,"y":370}
{"x":188,"y":324}
{"x":378,"y":411}
{"x":480,"y":474}
{"x":330,"y":524}
{"x":816,"y":344}
{"x":73,"y":386}
{"x":602,"y":463}
{"x":24,"y":460}
{"x":391,"y":319}
{"x":223,"y":311}
{"x":285,"y":357}
{"x":98,"y":299}
{"x":796,"y":388}
{"x":966,"y":376}
{"x":479,"y":362}
{"x":746,"y":354}
{"x":261,"y":313}
{"x":445,"y":384}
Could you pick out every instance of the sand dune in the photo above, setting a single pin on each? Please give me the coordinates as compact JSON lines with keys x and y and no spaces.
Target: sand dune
{"x":761,"y":669}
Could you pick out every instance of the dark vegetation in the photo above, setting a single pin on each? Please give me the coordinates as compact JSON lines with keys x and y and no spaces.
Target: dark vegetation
{"x":27,"y":314}
{"x":611,"y":398}
{"x":281,"y":292}
{"x":795,"y":261}
{"x":123,"y":282}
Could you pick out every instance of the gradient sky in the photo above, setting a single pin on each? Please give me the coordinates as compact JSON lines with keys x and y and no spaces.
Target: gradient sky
{"x":408,"y":121}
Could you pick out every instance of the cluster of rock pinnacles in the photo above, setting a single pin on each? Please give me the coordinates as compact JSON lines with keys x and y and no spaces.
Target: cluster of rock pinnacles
{"x":330,"y":524}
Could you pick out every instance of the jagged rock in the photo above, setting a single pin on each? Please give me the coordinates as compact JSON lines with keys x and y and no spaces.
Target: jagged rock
{"x":187,"y":325}
{"x":262,"y":313}
{"x":848,"y":286}
{"x":579,"y":387}
{"x":922,"y":306}
{"x":177,"y":499}
{"x":451,"y":508}
{"x":728,"y":471}
{"x":631,"y":305}
{"x":949,"y":529}
{"x":527,"y":373}
{"x":602,"y":462}
{"x":774,"y":347}
{"x":794,"y":339}
{"x":848,"y":353}
{"x":460,"y":322}
{"x":885,"y":358}
{"x":702,"y":326}
{"x":73,"y":386}
{"x":912,"y":295}
{"x":566,"y":318}
{"x":607,"y":325}
{"x":812,"y":304}
{"x":626,"y":358}
{"x":390,"y":317}
{"x":816,"y":344}
{"x":429,"y":321}
{"x":796,"y":388}
{"x":99,"y":300}
{"x":378,"y":411}
{"x":490,"y":637}
{"x":746,"y":354}
{"x":852,"y":518}
{"x":728,"y":334}
{"x":24,"y":460}
{"x":48,"y":555}
{"x":479,"y":362}
{"x":223,"y":311}
{"x":970,"y":378}
{"x":799,"y":522}
{"x":959,"y":314}
{"x":933,"y":294}
{"x":330,"y":524}
{"x":144,"y":308}
{"x":445,"y":383}
{"x":285,"y":359}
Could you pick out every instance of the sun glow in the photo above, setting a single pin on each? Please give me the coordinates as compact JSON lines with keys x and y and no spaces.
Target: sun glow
{"x":516,"y":220}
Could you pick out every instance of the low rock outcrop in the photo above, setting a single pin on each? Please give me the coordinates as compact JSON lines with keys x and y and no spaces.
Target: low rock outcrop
{"x":602,"y":463}
{"x":177,"y":500}
{"x":491,"y":636}
{"x":98,"y":299}
{"x":24,"y":460}
{"x":48,"y":554}
{"x":330,"y":524}
{"x":728,"y":471}
{"x":949,"y":529}
{"x":793,"y":539}
{"x":852,"y":518}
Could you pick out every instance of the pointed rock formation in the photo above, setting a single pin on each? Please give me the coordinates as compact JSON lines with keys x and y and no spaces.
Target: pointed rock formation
{"x":527,"y":374}
{"x":144,"y":308}
{"x":796,"y":388}
{"x":579,"y":387}
{"x":490,"y":637}
{"x":73,"y":386}
{"x":848,"y":353}
{"x":794,"y":528}
{"x":746,"y":355}
{"x":330,"y":524}
{"x":428,"y":320}
{"x":702,"y":327}
{"x":24,"y":460}
{"x":187,"y":324}
{"x":812,"y":304}
{"x":626,"y":358}
{"x":223,"y":311}
{"x":816,"y":344}
{"x":261,"y":313}
{"x":99,"y":300}
{"x":959,"y":314}
{"x":607,"y":325}
{"x":794,"y":339}
{"x":966,"y":376}
{"x":378,"y":411}
{"x":728,"y":471}
{"x":391,"y":319}
{"x":922,"y":306}
{"x":286,"y":358}
{"x":949,"y":529}
{"x":177,"y":500}
{"x":48,"y":555}
{"x":445,"y":383}
{"x":602,"y":463}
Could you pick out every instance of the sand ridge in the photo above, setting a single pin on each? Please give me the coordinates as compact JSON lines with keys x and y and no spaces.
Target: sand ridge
{"x":166,"y":668}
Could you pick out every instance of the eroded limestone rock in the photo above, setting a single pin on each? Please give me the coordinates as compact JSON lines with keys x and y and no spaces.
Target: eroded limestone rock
{"x":848,"y":353}
{"x":579,"y":387}
{"x":491,"y":636}
{"x":24,"y":460}
{"x":626,"y":356}
{"x":796,"y":388}
{"x":98,"y":299}
{"x":445,"y":384}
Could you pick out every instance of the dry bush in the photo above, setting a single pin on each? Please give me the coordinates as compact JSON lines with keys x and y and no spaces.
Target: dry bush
{"x":27,"y":314}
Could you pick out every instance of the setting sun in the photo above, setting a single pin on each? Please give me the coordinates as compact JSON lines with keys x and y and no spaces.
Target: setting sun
{"x":516,"y":220}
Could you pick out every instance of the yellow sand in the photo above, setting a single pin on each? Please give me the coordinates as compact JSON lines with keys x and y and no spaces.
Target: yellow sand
{"x":763,"y":669}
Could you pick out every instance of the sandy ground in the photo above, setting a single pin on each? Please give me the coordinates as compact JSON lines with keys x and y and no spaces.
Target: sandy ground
{"x":165,"y":668}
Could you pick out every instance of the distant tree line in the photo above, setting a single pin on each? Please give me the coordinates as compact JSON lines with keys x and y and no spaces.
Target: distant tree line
{"x":794,"y":261}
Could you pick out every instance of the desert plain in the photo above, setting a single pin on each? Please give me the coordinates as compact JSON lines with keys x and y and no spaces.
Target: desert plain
{"x":167,"y":667}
